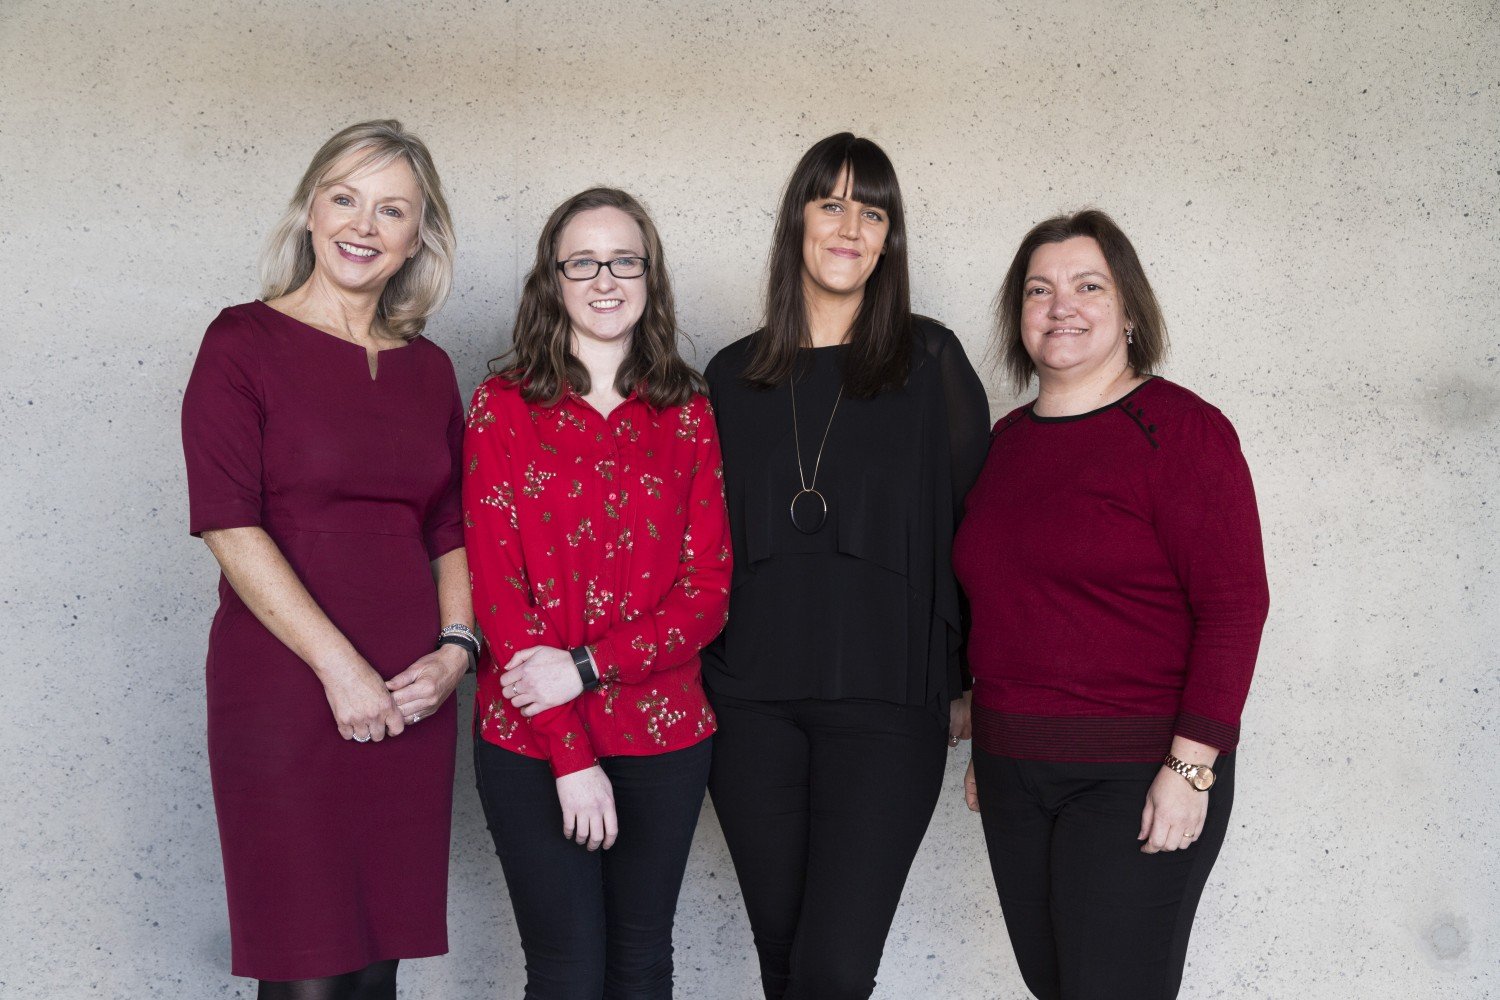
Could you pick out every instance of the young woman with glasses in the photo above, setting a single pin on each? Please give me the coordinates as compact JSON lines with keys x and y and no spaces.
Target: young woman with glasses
{"x":594,"y":506}
{"x":851,"y":431}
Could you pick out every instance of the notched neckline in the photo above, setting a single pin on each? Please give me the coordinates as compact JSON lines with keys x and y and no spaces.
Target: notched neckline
{"x":372,"y":358}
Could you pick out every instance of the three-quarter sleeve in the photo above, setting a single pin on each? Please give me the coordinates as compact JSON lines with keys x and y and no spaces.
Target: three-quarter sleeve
{"x":444,"y":529}
{"x":223,"y":420}
{"x":693,"y":611}
{"x":1208,"y":526}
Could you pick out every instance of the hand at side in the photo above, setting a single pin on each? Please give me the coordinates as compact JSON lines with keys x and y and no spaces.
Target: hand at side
{"x":588,"y":808}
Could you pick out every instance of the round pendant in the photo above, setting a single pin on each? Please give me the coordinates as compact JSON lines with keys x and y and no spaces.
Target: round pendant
{"x":809,"y":510}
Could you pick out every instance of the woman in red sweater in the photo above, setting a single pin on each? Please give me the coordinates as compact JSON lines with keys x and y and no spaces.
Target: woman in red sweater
{"x":1111,"y":554}
{"x":594,"y":505}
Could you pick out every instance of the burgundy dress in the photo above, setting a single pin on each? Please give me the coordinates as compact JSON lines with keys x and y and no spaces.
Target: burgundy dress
{"x":335,"y":852}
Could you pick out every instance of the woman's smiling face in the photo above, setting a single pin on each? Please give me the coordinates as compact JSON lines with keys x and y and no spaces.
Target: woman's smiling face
{"x":603,"y":309}
{"x":842,"y":241}
{"x":1072,"y":318}
{"x":365,"y":226}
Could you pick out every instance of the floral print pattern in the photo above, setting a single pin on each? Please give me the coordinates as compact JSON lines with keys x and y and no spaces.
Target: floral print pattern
{"x":609,"y":532}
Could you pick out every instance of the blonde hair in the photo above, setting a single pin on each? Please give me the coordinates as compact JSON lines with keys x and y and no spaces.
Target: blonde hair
{"x":420,"y":287}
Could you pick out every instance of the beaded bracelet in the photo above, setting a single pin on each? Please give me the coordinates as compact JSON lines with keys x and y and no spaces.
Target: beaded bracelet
{"x":459,"y":628}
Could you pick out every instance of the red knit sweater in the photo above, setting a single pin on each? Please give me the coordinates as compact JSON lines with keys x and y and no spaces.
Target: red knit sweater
{"x":1113,"y":566}
{"x":608,"y":532}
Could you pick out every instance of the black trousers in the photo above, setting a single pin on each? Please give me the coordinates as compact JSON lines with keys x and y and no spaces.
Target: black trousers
{"x":1090,"y":917}
{"x":823,"y":805}
{"x":594,"y":924}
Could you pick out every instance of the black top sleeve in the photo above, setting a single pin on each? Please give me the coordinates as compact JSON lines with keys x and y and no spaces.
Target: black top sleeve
{"x":968,"y":418}
{"x":968,"y":409}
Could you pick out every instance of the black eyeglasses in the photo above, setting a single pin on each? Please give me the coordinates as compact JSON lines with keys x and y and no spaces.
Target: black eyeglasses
{"x":585,"y":269}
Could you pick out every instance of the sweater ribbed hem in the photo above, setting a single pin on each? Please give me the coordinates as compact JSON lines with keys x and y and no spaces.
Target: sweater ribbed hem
{"x":1219,"y":735}
{"x":1080,"y":739}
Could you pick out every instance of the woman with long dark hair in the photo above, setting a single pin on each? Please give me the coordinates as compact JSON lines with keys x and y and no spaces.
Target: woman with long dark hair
{"x":594,"y":508}
{"x":851,"y":431}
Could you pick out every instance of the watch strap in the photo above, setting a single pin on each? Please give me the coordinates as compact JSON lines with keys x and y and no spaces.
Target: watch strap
{"x":465,"y":643}
{"x":1188,"y":771}
{"x":584,"y":661}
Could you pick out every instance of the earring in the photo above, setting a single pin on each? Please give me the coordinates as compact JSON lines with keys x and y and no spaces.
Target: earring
{"x":1130,"y":335}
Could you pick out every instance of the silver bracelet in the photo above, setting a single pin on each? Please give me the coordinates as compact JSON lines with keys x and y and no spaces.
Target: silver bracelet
{"x":461,"y":631}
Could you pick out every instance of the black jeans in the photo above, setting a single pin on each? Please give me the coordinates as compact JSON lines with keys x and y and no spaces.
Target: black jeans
{"x":823,"y":805}
{"x":594,"y":924}
{"x":1090,"y":917}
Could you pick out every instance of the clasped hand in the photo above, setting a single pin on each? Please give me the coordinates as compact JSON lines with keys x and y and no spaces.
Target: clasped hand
{"x":539,"y":678}
{"x":421,"y":688}
{"x":367,"y":708}
{"x":363,"y":708}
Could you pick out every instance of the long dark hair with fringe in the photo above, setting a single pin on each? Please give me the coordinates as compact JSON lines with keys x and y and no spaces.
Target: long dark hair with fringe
{"x":541,"y":360}
{"x":1136,"y":297}
{"x":880,"y":340}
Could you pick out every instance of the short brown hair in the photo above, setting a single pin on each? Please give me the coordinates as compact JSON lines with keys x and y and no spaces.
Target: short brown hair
{"x":1136,"y":297}
{"x":541,"y":360}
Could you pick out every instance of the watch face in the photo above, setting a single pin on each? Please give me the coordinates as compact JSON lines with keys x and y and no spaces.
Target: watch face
{"x":1203,"y":780}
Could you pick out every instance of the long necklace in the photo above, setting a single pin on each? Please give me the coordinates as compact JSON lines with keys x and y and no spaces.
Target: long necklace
{"x":812,"y":504}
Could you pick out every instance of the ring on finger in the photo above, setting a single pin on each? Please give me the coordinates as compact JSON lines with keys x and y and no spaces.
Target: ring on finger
{"x":416,"y":718}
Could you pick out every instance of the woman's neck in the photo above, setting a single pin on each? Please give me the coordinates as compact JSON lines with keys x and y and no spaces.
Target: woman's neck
{"x":1059,"y":395}
{"x":830,"y":318}
{"x":347,"y":315}
{"x":602,"y":360}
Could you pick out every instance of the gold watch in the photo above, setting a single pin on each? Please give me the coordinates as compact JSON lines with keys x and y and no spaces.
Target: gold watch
{"x":1200,"y":776}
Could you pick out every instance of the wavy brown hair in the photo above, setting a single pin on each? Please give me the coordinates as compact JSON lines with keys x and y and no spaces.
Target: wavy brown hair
{"x":1136,"y":297}
{"x":416,"y":291}
{"x":881,"y":338}
{"x":541,"y":360}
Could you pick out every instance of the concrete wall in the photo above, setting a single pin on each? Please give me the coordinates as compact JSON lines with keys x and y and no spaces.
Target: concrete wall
{"x":1312,"y":185}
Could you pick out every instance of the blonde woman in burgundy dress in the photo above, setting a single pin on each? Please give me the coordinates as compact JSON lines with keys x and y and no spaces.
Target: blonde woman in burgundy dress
{"x":322,"y":434}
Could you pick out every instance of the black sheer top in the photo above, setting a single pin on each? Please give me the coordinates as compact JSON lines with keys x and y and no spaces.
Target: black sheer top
{"x":866,"y":607}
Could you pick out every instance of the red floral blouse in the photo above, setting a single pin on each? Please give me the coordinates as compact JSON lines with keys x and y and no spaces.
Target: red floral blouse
{"x":602,"y":531}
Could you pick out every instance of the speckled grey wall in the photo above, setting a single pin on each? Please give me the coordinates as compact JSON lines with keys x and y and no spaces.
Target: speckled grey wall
{"x":1312,"y":185}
